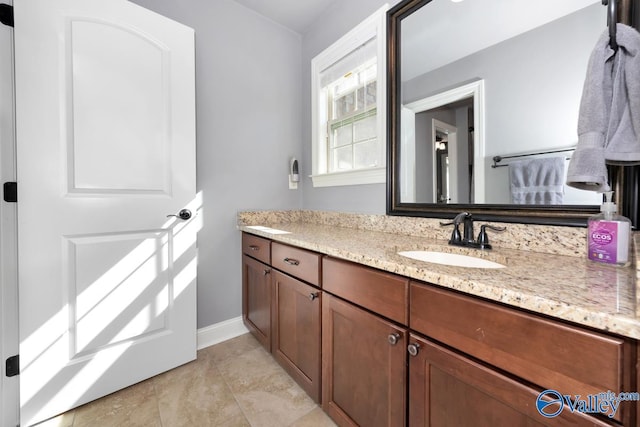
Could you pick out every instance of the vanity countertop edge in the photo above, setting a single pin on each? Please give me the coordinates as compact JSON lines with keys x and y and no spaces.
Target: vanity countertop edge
{"x":569,"y":288}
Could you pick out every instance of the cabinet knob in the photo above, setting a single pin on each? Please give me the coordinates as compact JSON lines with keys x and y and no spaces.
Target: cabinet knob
{"x":254,"y":247}
{"x":393,"y":338}
{"x":313,"y":295}
{"x":413,"y":349}
{"x":266,"y":271}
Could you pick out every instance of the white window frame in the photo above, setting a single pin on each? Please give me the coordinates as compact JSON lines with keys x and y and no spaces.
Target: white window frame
{"x":373,"y":26}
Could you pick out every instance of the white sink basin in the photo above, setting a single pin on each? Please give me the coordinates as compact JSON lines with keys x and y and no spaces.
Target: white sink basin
{"x":455,"y":260}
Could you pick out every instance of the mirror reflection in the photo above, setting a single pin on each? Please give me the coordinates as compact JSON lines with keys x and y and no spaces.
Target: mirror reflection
{"x":488,"y":78}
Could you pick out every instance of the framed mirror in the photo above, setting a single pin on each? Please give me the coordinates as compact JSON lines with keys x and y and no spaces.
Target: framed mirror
{"x":476,"y":89}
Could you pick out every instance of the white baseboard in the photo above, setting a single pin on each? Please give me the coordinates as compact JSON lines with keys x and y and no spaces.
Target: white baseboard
{"x":220,"y":332}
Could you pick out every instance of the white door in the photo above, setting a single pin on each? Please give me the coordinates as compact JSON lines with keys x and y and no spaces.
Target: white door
{"x":105,"y":110}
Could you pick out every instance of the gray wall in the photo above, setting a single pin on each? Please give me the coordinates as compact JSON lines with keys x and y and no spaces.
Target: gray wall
{"x":336,"y":21}
{"x":248,"y":79}
{"x":253,"y":100}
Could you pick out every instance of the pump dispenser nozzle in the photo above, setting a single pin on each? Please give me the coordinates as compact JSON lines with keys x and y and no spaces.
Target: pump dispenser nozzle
{"x":608,"y":207}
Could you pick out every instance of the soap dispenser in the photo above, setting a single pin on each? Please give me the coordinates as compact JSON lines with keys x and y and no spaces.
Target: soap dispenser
{"x":608,"y":235}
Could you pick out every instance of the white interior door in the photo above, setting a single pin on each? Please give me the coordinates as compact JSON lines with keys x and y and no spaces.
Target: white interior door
{"x":105,"y":110}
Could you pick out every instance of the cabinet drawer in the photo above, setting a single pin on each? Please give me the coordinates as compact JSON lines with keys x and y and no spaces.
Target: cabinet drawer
{"x":256,"y":247}
{"x":382,"y":293}
{"x":297,"y":262}
{"x":547,"y":353}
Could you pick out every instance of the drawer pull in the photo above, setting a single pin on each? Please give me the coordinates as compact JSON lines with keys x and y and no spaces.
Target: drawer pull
{"x":292,"y":261}
{"x":313,"y":295}
{"x":393,"y":338}
{"x":254,"y":247}
{"x":266,"y":271}
{"x":413,"y":349}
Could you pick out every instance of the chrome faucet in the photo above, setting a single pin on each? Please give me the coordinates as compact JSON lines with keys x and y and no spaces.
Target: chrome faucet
{"x":466,"y":238}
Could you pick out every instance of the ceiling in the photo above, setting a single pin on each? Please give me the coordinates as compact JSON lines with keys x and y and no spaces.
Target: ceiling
{"x":297,"y":15}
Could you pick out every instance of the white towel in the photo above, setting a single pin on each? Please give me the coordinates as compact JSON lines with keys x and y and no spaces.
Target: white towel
{"x":537,"y":181}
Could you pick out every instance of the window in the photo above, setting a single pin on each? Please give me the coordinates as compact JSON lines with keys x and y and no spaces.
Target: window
{"x":349,"y":120}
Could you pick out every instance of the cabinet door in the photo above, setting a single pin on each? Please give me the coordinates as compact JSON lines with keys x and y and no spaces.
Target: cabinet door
{"x":256,"y":299}
{"x":364,"y":366}
{"x":448,"y":390}
{"x":296,"y":331}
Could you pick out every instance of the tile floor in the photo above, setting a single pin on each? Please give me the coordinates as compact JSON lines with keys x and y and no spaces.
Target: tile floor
{"x":234,"y":383}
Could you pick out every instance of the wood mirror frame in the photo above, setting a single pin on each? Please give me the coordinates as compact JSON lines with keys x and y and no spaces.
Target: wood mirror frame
{"x":572,"y":215}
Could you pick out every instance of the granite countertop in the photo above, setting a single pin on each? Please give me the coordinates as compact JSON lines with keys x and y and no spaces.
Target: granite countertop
{"x":565,"y":287}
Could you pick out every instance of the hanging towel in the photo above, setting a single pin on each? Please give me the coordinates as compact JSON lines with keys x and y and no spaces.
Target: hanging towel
{"x":609,"y":118}
{"x":537,"y":181}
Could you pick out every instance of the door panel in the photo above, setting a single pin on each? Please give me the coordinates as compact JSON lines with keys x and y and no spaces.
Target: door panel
{"x":114,"y":296}
{"x":105,"y":121}
{"x":128,"y":131}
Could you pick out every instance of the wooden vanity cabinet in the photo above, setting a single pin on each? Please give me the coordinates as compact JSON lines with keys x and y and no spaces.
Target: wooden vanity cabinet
{"x":295,"y":315}
{"x":363,"y":354}
{"x":282,"y":311}
{"x":380,"y":350}
{"x":543,"y":354}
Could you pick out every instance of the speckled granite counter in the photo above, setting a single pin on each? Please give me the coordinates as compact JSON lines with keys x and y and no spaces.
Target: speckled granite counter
{"x":562,"y":284}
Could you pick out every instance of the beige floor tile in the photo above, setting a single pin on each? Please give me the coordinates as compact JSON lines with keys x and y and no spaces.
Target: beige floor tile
{"x":195,"y":394}
{"x":266,"y":394}
{"x":232,"y":384}
{"x":315,"y":418}
{"x":238,"y":421}
{"x":134,"y":406}
{"x":230,"y":348}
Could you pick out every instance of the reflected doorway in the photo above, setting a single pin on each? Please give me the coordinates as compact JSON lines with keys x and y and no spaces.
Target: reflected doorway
{"x":444,"y":146}
{"x":442,"y":169}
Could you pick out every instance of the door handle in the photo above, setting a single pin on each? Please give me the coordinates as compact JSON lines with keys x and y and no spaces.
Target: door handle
{"x":184,"y":214}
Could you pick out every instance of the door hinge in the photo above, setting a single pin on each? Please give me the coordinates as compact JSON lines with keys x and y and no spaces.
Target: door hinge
{"x":12,"y":366}
{"x":10,"y":191}
{"x":6,"y":14}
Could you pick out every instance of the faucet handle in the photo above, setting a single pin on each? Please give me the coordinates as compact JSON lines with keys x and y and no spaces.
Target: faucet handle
{"x":456,"y":237}
{"x":483,"y":238}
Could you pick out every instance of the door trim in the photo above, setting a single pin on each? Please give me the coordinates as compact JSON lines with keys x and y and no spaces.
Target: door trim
{"x":9,"y":340}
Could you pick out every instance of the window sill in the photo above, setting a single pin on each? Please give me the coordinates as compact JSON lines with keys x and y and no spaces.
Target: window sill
{"x":357,"y":177}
